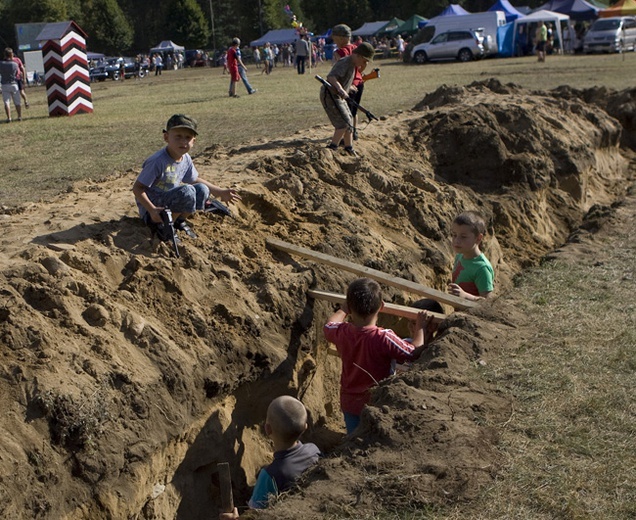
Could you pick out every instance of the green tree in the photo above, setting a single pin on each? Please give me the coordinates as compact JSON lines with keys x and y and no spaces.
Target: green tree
{"x":187,"y":24}
{"x":108,"y":28}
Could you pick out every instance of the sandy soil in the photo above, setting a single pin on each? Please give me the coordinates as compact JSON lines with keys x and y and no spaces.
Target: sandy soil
{"x":127,"y":374}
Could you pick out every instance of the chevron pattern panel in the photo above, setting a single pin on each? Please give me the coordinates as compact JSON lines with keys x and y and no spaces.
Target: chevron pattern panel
{"x":66,"y":76}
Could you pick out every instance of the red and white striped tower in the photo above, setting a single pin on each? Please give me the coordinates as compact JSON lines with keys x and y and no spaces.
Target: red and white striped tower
{"x":66,"y":75}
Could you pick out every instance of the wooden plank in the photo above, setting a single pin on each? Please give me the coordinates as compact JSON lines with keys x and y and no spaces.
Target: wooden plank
{"x":389,"y":308}
{"x":379,"y":276}
{"x":225,"y":486}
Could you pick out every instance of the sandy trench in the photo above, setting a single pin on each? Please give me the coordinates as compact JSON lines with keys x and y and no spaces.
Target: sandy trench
{"x":128,"y":374}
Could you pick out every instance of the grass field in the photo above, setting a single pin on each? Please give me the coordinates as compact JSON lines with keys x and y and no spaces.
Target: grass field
{"x":44,"y":155}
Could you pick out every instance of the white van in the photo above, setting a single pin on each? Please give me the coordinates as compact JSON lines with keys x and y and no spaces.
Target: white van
{"x":615,"y":34}
{"x":485,"y":24}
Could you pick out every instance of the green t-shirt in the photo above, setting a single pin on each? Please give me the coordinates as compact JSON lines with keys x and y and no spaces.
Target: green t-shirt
{"x":475,"y":275}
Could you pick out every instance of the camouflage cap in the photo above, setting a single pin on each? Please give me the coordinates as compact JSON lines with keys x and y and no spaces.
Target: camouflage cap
{"x":341,"y":30}
{"x":182,"y":121}
{"x":366,"y":50}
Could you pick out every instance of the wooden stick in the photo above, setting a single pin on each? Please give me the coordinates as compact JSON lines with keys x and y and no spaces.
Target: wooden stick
{"x":379,"y":276}
{"x":389,"y":308}
{"x":225,"y":486}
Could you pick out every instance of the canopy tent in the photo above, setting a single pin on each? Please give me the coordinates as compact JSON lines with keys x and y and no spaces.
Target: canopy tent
{"x":167,"y":46}
{"x":393,"y":24}
{"x":505,"y":36}
{"x":369,"y":28}
{"x":453,"y":10}
{"x":410,"y":26}
{"x":276,"y":37}
{"x":532,"y":20}
{"x":621,"y":8}
{"x":510,"y":11}
{"x":578,"y":10}
{"x":94,"y":56}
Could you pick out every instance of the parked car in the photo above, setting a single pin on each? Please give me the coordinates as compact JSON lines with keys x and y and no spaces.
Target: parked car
{"x":616,"y":34}
{"x":111,"y":68}
{"x":463,"y":45}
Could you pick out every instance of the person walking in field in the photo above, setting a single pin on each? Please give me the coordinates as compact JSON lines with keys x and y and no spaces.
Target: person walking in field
{"x":21,"y":80}
{"x":9,"y":80}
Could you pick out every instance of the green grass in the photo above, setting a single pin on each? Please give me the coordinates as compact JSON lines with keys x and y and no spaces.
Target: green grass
{"x":44,"y":156}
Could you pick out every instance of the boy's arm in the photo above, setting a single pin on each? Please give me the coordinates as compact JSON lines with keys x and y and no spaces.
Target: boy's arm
{"x":139,"y":190}
{"x":456,"y":290}
{"x":264,"y":488}
{"x":225,"y":194}
{"x":340,"y":315}
{"x":337,"y":86}
{"x":420,"y":338}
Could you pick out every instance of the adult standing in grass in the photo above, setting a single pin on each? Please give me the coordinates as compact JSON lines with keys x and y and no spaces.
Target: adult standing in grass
{"x":9,"y":81}
{"x":302,"y":52}
{"x":542,"y":40}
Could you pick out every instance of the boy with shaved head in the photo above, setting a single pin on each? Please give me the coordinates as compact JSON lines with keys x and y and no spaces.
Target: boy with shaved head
{"x":285,"y":423}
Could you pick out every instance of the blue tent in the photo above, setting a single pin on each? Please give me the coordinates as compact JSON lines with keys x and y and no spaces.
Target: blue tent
{"x":505,"y":6}
{"x":578,"y":10}
{"x":453,"y":10}
{"x":505,"y":36}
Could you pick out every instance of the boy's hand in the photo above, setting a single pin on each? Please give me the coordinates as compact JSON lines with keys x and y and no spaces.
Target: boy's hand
{"x":155,"y":214}
{"x":456,"y":290}
{"x":229,"y":195}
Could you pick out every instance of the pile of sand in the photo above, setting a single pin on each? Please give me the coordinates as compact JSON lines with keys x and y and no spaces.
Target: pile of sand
{"x":128,"y":373}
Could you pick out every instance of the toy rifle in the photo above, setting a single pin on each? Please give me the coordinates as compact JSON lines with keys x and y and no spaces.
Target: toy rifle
{"x":217,"y":208}
{"x":374,"y":74}
{"x":166,"y":218}
{"x":349,"y":100}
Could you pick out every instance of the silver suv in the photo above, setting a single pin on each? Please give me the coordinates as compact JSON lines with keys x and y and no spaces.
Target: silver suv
{"x":616,"y":34}
{"x":464,"y":45}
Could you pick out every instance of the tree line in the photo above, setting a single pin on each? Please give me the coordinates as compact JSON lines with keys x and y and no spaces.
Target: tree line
{"x":134,"y":26}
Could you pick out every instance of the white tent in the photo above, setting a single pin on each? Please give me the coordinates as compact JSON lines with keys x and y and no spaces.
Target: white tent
{"x":167,"y":46}
{"x":557,"y":19}
{"x":369,"y":28}
{"x":276,"y":37}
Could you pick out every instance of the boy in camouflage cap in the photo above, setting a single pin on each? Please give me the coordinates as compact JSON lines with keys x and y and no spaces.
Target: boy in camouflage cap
{"x":334,"y":99}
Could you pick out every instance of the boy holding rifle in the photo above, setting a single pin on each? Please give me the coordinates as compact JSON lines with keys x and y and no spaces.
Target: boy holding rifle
{"x":334,"y":98}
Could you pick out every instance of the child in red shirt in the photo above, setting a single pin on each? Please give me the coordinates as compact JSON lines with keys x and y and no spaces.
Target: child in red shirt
{"x":367,"y":350}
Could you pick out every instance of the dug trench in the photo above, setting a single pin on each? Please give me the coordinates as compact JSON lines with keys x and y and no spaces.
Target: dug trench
{"x":128,"y":374}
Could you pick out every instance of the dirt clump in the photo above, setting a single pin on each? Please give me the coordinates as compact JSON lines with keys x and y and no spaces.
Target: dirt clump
{"x":128,"y":373}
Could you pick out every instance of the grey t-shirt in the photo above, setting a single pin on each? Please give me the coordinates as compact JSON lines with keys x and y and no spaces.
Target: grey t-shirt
{"x":344,"y":71}
{"x":8,"y":72}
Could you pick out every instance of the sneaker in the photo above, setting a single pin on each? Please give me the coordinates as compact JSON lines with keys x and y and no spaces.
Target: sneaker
{"x":349,"y":150}
{"x":181,"y":225}
{"x":234,"y":95}
{"x":9,"y":120}
{"x":355,"y":134}
{"x":26,"y":104}
{"x":254,"y":91}
{"x":217,"y":208}
{"x":332,"y":146}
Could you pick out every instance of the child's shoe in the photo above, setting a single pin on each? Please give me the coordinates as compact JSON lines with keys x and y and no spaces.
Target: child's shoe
{"x":350,"y":151}
{"x":181,"y":225}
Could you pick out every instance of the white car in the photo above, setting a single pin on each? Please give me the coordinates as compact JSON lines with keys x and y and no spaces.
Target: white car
{"x":464,"y":45}
{"x":616,"y":34}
